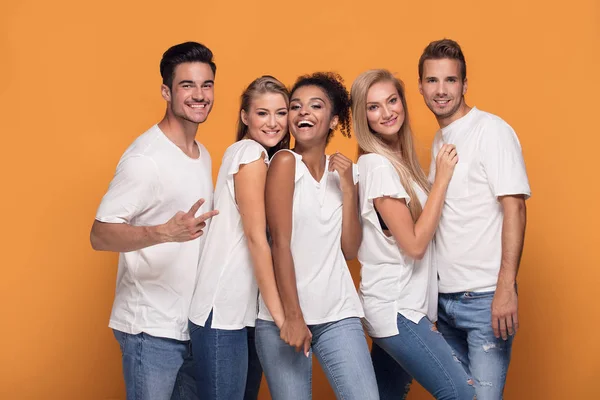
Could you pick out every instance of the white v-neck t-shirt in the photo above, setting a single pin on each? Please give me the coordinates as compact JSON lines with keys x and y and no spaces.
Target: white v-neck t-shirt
{"x":153,"y":181}
{"x":391,"y":281}
{"x":325,"y":287}
{"x":469,"y":237}
{"x":226,"y":283}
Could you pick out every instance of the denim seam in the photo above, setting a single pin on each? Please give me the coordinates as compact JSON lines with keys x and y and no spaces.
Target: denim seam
{"x":216,"y":361}
{"x":432,"y":355}
{"x":139,"y":384}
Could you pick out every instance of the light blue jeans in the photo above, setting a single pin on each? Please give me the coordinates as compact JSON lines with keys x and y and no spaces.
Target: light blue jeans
{"x":341,"y":349}
{"x":156,"y":368}
{"x":419,"y":351}
{"x":465,"y":320}
{"x":225,"y":362}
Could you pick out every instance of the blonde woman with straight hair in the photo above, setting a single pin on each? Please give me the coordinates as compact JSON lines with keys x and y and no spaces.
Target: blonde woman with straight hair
{"x":400,"y":210}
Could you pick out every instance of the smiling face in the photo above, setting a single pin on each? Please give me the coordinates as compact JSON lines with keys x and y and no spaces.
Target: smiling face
{"x":310,"y":118}
{"x":192,"y":93}
{"x":443,"y":89}
{"x":266,"y":119}
{"x":385,"y":112}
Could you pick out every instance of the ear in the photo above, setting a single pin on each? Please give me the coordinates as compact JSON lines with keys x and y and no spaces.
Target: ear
{"x":334,"y":122}
{"x":465,"y":84}
{"x":420,"y":87}
{"x":244,"y":117}
{"x":165,"y":93}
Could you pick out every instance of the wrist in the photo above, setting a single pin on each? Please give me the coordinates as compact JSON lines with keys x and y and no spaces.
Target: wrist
{"x":158,"y":233}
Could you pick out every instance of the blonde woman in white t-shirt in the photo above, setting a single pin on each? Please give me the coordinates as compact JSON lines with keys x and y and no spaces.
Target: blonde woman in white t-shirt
{"x":237,"y":261}
{"x":400,"y":212}
{"x":312,"y":213}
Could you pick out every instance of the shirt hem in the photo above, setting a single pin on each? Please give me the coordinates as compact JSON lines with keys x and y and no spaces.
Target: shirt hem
{"x":163,"y":333}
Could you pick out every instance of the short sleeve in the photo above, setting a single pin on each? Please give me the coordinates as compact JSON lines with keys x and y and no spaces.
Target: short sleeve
{"x":132,"y":190}
{"x":378,"y":178}
{"x":355,"y":173}
{"x":503,"y":161}
{"x":247,"y":152}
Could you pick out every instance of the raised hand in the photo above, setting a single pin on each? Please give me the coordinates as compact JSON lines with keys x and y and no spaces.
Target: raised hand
{"x":185,"y":226}
{"x":343,"y":165}
{"x":446,"y":160}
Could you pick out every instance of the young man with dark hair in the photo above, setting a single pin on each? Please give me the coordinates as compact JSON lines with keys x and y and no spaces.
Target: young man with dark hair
{"x":480,"y":237}
{"x":154,"y":214}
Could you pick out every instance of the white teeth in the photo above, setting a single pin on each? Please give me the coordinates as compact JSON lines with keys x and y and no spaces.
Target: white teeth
{"x":305,"y":123}
{"x":197,"y":105}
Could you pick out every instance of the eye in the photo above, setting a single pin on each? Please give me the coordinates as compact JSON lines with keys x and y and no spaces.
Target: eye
{"x":207,"y":85}
{"x":372,"y":107}
{"x":262,"y":113}
{"x":393,"y":100}
{"x":187,"y":86}
{"x":317,"y":106}
{"x":451,"y":80}
{"x":294,"y":107}
{"x":430,"y":80}
{"x":282,"y":113}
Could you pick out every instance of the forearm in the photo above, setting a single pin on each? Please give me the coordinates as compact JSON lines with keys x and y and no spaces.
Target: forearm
{"x":513,"y":235}
{"x":265,"y":276}
{"x":285,"y":276}
{"x":351,"y":228}
{"x":123,"y":238}
{"x":428,"y":221}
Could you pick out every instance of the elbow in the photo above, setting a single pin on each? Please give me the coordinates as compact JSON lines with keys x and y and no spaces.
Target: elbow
{"x":350,"y":255}
{"x":416,"y":253}
{"x":96,"y":239}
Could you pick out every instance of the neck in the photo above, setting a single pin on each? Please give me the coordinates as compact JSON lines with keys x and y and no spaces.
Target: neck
{"x":462,"y":110}
{"x":313,"y":156}
{"x":179,"y":131}
{"x":392,"y":141}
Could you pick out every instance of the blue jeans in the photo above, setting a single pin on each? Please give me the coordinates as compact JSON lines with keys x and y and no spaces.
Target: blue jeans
{"x":419,"y":351}
{"x":225,"y":362}
{"x":465,"y":320}
{"x":341,"y":349}
{"x":156,"y":368}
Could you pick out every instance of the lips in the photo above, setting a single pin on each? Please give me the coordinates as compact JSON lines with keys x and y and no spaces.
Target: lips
{"x":391,"y":122}
{"x":271,"y":133}
{"x":305,"y":124}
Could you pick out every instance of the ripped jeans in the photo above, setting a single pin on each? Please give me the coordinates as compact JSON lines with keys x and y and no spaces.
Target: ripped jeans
{"x":418,"y":351}
{"x":465,"y":320}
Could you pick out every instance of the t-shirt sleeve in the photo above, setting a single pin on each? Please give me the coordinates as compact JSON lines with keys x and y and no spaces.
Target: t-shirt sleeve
{"x":503,"y":161}
{"x":132,"y":190}
{"x":247,"y":153}
{"x":380,"y":179}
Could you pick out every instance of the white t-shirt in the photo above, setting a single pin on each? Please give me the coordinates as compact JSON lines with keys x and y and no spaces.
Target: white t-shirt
{"x":225,"y":281}
{"x":469,"y":237}
{"x":154,"y":180}
{"x":325,"y":287}
{"x":391,"y":281}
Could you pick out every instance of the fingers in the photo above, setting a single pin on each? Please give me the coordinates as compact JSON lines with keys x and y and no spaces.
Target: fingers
{"x":205,"y":216}
{"x":495,"y":326}
{"x":515,"y":319}
{"x":307,"y":345}
{"x":196,"y":207}
{"x":339,"y":162}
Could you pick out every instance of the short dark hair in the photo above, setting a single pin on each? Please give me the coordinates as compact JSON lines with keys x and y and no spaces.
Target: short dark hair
{"x":333,"y":85}
{"x":445,"y":48}
{"x":183,"y":53}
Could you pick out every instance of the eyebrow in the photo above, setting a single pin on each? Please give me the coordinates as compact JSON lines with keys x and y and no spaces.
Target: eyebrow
{"x":389,"y":97}
{"x":189,"y":82}
{"x":311,"y":99}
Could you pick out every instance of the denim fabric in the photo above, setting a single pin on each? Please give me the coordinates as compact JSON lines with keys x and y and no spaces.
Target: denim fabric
{"x":225,"y":362}
{"x":465,"y":321}
{"x":340,"y":348}
{"x":156,"y":368}
{"x":424,"y":354}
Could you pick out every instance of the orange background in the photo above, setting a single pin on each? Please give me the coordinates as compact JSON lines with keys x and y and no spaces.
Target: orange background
{"x":80,"y":81}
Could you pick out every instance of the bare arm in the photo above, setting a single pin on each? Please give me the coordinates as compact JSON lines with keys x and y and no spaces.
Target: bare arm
{"x":414,"y":238}
{"x":505,"y":305}
{"x":122,"y":237}
{"x":351,"y":229}
{"x":279,"y":197}
{"x":250,"y":197}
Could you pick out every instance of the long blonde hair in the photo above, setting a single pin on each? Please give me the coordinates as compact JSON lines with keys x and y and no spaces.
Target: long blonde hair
{"x":404,"y":159}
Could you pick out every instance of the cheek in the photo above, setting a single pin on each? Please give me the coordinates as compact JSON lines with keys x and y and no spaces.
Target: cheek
{"x":372,"y":118}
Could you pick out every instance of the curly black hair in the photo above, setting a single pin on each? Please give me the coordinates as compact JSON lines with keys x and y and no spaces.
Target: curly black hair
{"x":333,"y":85}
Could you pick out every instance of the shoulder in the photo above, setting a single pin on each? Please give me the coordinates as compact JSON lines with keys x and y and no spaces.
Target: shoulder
{"x":284,"y":158}
{"x":368,"y":162}
{"x":493,"y":123}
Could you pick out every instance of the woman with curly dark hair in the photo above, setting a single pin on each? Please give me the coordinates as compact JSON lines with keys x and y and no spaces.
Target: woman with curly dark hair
{"x":312,"y":215}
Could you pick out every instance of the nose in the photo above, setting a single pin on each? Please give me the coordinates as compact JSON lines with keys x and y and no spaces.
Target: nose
{"x":271,"y":122}
{"x":440,"y":89}
{"x":385,"y":113}
{"x":198,"y":94}
{"x":303,"y":111}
